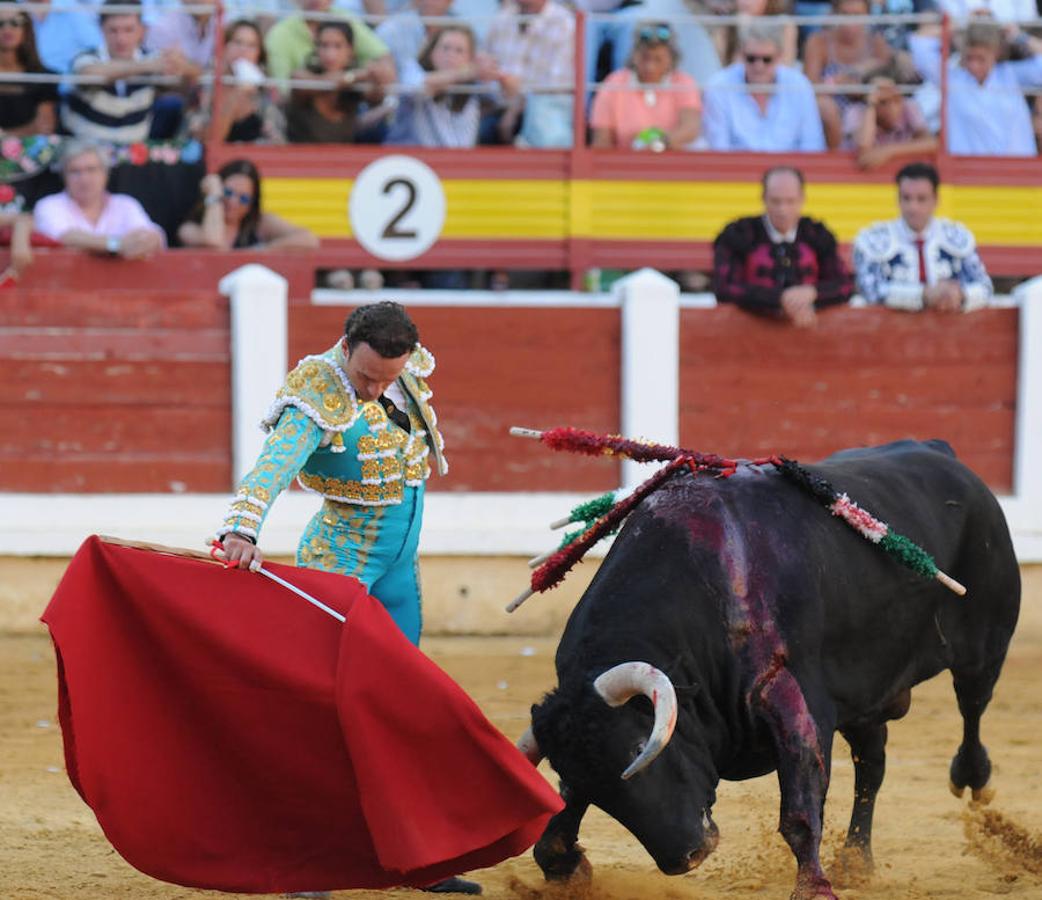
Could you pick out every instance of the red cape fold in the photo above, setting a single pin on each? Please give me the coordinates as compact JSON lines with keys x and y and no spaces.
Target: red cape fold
{"x":229,"y":735}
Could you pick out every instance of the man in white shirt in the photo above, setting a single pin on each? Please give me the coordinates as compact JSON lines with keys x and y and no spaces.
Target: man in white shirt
{"x":987,"y":112}
{"x":919,"y":261}
{"x":85,"y":215}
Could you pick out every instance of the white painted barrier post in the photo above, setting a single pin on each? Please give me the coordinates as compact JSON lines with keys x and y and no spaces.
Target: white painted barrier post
{"x":258,"y":300}
{"x":1024,"y":508}
{"x":650,"y":362}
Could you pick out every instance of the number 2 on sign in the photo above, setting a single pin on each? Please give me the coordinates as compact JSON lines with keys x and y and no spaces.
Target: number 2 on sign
{"x":396,"y":207}
{"x":391,"y":230}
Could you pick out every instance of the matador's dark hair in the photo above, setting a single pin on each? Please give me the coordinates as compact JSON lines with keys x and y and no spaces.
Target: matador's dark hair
{"x":384,"y":326}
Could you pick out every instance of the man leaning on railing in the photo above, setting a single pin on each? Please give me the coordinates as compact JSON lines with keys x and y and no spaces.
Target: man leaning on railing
{"x":121,"y":110}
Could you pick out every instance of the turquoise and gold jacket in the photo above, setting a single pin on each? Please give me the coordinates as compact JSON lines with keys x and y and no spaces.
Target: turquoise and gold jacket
{"x":336,"y":445}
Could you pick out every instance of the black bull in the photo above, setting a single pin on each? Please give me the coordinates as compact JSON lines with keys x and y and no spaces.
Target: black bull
{"x":777,"y":626}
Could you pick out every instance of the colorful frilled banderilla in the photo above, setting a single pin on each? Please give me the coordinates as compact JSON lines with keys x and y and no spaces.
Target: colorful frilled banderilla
{"x":604,"y":515}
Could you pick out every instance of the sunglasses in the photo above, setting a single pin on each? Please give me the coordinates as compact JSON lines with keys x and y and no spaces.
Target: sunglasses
{"x":654,"y":34}
{"x":11,"y":23}
{"x":752,"y":58}
{"x":244,"y":199}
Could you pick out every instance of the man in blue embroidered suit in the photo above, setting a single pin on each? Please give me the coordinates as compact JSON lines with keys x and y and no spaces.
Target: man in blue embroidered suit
{"x":919,"y":261}
{"x":354,"y":425}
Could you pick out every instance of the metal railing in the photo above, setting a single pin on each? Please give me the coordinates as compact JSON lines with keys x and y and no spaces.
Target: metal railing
{"x":580,"y":124}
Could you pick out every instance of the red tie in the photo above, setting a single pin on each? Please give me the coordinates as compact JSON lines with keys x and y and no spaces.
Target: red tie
{"x":922,"y":260}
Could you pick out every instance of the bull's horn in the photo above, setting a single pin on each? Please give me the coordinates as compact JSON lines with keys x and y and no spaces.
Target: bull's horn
{"x":624,"y":681}
{"x":528,"y":745}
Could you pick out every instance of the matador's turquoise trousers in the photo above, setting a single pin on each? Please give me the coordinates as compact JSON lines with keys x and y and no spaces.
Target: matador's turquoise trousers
{"x":378,"y":545}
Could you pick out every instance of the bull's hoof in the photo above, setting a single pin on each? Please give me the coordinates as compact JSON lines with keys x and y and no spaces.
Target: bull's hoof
{"x":983,"y":795}
{"x":813,"y":888}
{"x":560,"y":864}
{"x":581,"y":873}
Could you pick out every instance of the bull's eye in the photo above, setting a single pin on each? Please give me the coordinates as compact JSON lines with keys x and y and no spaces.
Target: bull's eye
{"x":638,"y":750}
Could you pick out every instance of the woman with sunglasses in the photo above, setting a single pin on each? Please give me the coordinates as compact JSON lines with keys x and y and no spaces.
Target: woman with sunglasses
{"x":25,"y":108}
{"x":229,"y":216}
{"x":649,"y":104}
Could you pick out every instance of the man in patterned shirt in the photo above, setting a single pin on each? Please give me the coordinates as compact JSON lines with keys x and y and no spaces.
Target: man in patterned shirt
{"x":532,"y":42}
{"x":781,"y":263}
{"x":919,"y":261}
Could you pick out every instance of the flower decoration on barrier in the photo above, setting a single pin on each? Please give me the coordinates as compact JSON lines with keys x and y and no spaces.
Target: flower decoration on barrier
{"x":25,"y":157}
{"x":604,"y":515}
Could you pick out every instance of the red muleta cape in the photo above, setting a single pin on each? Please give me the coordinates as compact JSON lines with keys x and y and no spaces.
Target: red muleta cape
{"x":229,"y":735}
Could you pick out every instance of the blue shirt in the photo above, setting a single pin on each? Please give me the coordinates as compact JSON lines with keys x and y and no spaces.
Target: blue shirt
{"x":67,"y":30}
{"x":732,"y":119}
{"x":990,"y":119}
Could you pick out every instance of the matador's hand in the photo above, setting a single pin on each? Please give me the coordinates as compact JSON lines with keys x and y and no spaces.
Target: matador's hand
{"x":241,"y":552}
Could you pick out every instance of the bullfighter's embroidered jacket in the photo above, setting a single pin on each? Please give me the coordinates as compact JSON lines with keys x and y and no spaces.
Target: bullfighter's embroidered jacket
{"x":336,"y":445}
{"x":886,"y":261}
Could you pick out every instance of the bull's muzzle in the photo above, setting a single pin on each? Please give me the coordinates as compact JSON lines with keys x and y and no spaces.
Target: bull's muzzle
{"x":694,"y":858}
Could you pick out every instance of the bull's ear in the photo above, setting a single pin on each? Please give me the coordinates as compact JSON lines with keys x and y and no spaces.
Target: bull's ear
{"x":686,"y":691}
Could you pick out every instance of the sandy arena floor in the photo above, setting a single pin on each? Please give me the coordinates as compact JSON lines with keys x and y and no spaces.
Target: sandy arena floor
{"x":927,"y":843}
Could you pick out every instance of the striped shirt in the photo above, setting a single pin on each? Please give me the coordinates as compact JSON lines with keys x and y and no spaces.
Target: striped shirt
{"x":117,"y":113}
{"x":424,"y":122}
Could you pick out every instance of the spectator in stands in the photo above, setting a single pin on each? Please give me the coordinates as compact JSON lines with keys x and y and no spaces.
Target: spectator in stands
{"x":406,"y":35}
{"x":919,"y":261}
{"x":698,"y":56}
{"x":229,"y":215}
{"x":85,"y":215}
{"x":781,"y":116}
{"x":25,"y":108}
{"x":330,"y":115}
{"x":888,"y":126}
{"x":727,"y":38}
{"x":843,"y":55}
{"x":65,"y":32}
{"x":538,"y":50}
{"x":780,"y":263}
{"x":434,"y":117}
{"x":649,"y":104}
{"x":247,"y":111}
{"x":192,"y":33}
{"x":987,"y":112}
{"x":291,"y":43}
{"x":119,"y":111}
{"x":1000,"y":10}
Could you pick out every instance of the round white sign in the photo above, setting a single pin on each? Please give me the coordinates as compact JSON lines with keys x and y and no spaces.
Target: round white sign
{"x":397,"y":207}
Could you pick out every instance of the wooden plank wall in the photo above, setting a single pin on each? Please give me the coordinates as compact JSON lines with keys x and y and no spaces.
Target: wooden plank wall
{"x":751,"y":387}
{"x":114,"y":391}
{"x":123,"y":386}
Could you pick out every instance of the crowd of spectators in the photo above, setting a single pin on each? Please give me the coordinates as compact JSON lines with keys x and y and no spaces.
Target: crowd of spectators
{"x":380,"y":71}
{"x":458,"y":73}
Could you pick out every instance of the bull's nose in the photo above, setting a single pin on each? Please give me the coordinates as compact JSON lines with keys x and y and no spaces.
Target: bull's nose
{"x":694,"y":858}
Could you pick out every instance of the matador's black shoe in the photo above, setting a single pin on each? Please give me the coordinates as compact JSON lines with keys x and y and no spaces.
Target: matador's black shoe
{"x":453,"y":885}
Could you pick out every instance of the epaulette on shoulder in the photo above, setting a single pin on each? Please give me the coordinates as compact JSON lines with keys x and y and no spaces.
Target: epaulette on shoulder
{"x":421,"y":362}
{"x":877,"y":241}
{"x":955,"y":237}
{"x":318,"y":388}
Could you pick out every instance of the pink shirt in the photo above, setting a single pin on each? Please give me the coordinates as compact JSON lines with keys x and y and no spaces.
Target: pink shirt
{"x":626,"y":109}
{"x":56,"y":214}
